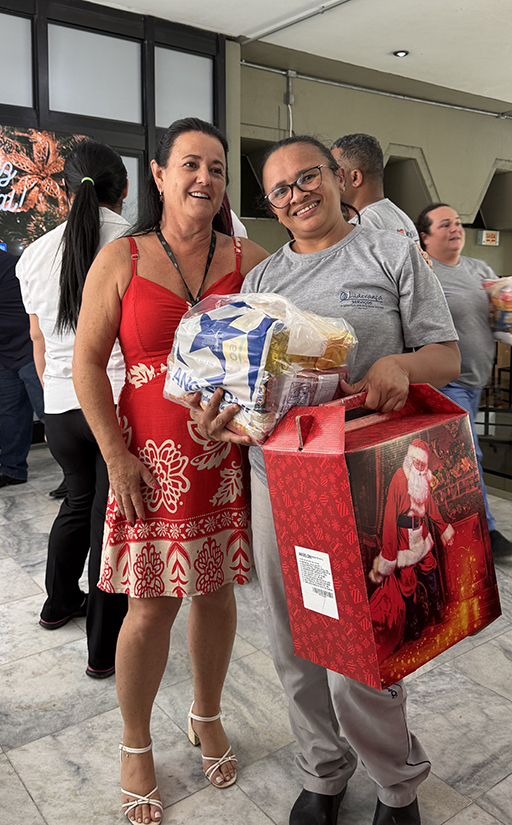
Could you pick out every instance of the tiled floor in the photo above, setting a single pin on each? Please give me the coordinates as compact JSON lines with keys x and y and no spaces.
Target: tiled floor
{"x":59,"y":730}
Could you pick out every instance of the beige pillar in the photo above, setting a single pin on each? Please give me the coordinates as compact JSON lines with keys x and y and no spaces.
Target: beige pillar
{"x":233,"y":81}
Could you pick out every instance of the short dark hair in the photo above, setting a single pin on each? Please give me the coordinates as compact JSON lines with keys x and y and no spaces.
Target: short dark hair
{"x":151,"y":211}
{"x":329,"y":161}
{"x":423,"y":222}
{"x":362,"y":152}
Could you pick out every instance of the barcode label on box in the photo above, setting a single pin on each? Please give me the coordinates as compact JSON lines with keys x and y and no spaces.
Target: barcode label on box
{"x":316,"y":581}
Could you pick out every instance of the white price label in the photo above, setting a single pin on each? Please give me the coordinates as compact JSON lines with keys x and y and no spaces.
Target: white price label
{"x":316,"y":581}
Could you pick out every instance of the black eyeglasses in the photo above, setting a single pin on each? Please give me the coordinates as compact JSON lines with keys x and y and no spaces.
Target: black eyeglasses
{"x":307,"y":181}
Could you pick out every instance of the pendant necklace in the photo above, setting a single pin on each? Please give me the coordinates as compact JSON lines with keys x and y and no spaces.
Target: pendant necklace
{"x":193,"y":301}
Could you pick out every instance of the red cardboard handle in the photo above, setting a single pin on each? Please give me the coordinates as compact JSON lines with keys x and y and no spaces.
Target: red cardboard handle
{"x":352,"y":401}
{"x":304,"y":424}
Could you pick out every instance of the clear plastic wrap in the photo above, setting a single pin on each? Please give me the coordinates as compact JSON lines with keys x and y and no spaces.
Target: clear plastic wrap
{"x":267,"y":354}
{"x":500,"y":296}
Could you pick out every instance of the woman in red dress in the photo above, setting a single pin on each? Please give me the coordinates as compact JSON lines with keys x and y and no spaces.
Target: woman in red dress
{"x":176,"y":522}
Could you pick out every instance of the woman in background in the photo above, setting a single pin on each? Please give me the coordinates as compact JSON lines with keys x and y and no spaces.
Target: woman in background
{"x":52,"y":273}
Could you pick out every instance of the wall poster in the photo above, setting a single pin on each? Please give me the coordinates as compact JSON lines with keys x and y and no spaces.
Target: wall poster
{"x":32,"y":194}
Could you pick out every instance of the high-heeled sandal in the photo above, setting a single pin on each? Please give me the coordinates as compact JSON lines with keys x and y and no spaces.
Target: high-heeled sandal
{"x":229,"y":756}
{"x":138,"y":800}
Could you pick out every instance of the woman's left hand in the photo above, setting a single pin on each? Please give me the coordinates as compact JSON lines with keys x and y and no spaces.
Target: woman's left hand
{"x":386,"y":384}
{"x":210,"y":422}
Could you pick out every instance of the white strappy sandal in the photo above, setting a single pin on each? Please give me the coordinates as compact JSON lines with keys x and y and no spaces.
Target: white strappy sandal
{"x":229,"y":756}
{"x":137,"y":799}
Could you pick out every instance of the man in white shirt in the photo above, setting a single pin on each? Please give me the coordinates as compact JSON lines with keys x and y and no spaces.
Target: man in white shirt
{"x":361,"y":163}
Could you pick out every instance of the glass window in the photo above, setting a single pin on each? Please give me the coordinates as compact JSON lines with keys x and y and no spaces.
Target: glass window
{"x":15,"y":61}
{"x":94,"y":74}
{"x":183,"y":86}
{"x":131,"y":203}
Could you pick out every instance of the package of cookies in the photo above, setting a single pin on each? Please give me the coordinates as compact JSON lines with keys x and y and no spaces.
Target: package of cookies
{"x":267,"y":355}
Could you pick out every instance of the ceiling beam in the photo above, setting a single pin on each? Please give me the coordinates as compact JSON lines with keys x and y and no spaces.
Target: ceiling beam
{"x":294,"y":21}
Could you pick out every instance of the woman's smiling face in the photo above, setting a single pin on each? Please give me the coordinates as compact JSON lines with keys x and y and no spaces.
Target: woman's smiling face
{"x":194,"y":180}
{"x":309,"y":213}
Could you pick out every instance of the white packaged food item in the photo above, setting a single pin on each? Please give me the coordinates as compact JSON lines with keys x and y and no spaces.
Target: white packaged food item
{"x":267,"y":354}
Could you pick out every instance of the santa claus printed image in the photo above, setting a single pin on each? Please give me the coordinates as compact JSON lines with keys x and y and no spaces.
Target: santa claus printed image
{"x":413,"y":595}
{"x":407,"y":542}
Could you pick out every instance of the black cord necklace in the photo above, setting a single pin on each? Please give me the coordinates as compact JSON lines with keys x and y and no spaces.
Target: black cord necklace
{"x":193,"y":301}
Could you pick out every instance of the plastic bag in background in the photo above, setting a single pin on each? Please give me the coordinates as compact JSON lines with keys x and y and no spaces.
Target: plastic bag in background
{"x":500,"y":296}
{"x":267,"y":354}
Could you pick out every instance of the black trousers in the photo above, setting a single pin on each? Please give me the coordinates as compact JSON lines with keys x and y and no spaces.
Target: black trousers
{"x":78,"y":527}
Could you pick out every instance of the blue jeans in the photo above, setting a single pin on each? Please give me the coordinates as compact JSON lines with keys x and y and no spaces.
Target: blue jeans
{"x":469,"y":400}
{"x":21,"y":394}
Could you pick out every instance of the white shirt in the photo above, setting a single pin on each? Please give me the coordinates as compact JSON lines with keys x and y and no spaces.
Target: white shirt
{"x":385,"y":214}
{"x":38,"y":271}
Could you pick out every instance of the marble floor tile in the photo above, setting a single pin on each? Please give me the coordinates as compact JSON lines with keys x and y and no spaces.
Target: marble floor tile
{"x":45,"y":481}
{"x":505,"y":590}
{"x":498,"y":801}
{"x":474,"y":815}
{"x":273,"y":783}
{"x":490,"y":665}
{"x":438,"y":801}
{"x":16,"y":584}
{"x":213,"y":807}
{"x":254,"y":709}
{"x":27,"y":543}
{"x":21,"y":634}
{"x":251,"y":622}
{"x":501,"y":509}
{"x":81,"y":767}
{"x":47,"y":692}
{"x":18,"y":507}
{"x":465,"y":729}
{"x":26,"y":538}
{"x":505,"y":566}
{"x":16,"y":801}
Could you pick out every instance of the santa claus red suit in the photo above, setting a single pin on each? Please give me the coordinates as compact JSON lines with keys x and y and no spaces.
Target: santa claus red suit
{"x":406,"y":539}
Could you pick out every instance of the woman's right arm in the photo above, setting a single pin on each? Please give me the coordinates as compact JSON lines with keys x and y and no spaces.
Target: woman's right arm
{"x":97,"y":329}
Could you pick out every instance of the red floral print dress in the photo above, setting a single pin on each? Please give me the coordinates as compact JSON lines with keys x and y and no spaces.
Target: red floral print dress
{"x":195,"y":536}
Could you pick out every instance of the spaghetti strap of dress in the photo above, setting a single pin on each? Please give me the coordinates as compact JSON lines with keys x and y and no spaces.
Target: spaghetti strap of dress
{"x":134,"y":252}
{"x":237,"y":243}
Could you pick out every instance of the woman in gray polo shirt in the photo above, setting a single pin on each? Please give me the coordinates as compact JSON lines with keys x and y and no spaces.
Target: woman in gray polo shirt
{"x":381,"y":285}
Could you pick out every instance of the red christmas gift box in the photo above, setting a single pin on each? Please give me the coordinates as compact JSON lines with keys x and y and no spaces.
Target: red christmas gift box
{"x":382,"y":534}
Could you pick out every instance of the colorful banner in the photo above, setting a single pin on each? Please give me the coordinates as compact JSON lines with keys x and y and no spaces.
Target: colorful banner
{"x":32,"y":195}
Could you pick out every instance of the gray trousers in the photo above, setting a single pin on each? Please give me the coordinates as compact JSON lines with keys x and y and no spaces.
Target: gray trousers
{"x":373,"y":721}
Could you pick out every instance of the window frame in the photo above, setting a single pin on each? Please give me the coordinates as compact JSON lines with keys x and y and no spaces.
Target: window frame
{"x":128,"y":138}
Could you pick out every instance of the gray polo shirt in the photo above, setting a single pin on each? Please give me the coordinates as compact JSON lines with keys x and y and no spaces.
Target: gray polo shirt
{"x":385,"y":214}
{"x":375,"y":280}
{"x":469,"y":305}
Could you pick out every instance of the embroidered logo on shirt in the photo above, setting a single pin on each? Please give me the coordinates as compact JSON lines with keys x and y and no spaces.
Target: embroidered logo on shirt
{"x":364,"y":300}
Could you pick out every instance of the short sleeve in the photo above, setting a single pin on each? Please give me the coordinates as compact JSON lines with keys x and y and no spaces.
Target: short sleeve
{"x":21,"y":275}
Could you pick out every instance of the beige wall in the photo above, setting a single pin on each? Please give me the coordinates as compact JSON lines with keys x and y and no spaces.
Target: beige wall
{"x":456,"y":153}
{"x":498,"y":257}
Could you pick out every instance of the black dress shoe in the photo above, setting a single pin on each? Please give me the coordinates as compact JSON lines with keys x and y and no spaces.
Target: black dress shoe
{"x":501,"y":546}
{"x":82,"y":611}
{"x":384,"y":815}
{"x":316,"y":808}
{"x":61,"y":491}
{"x":7,"y":480}
{"x":99,"y":674}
